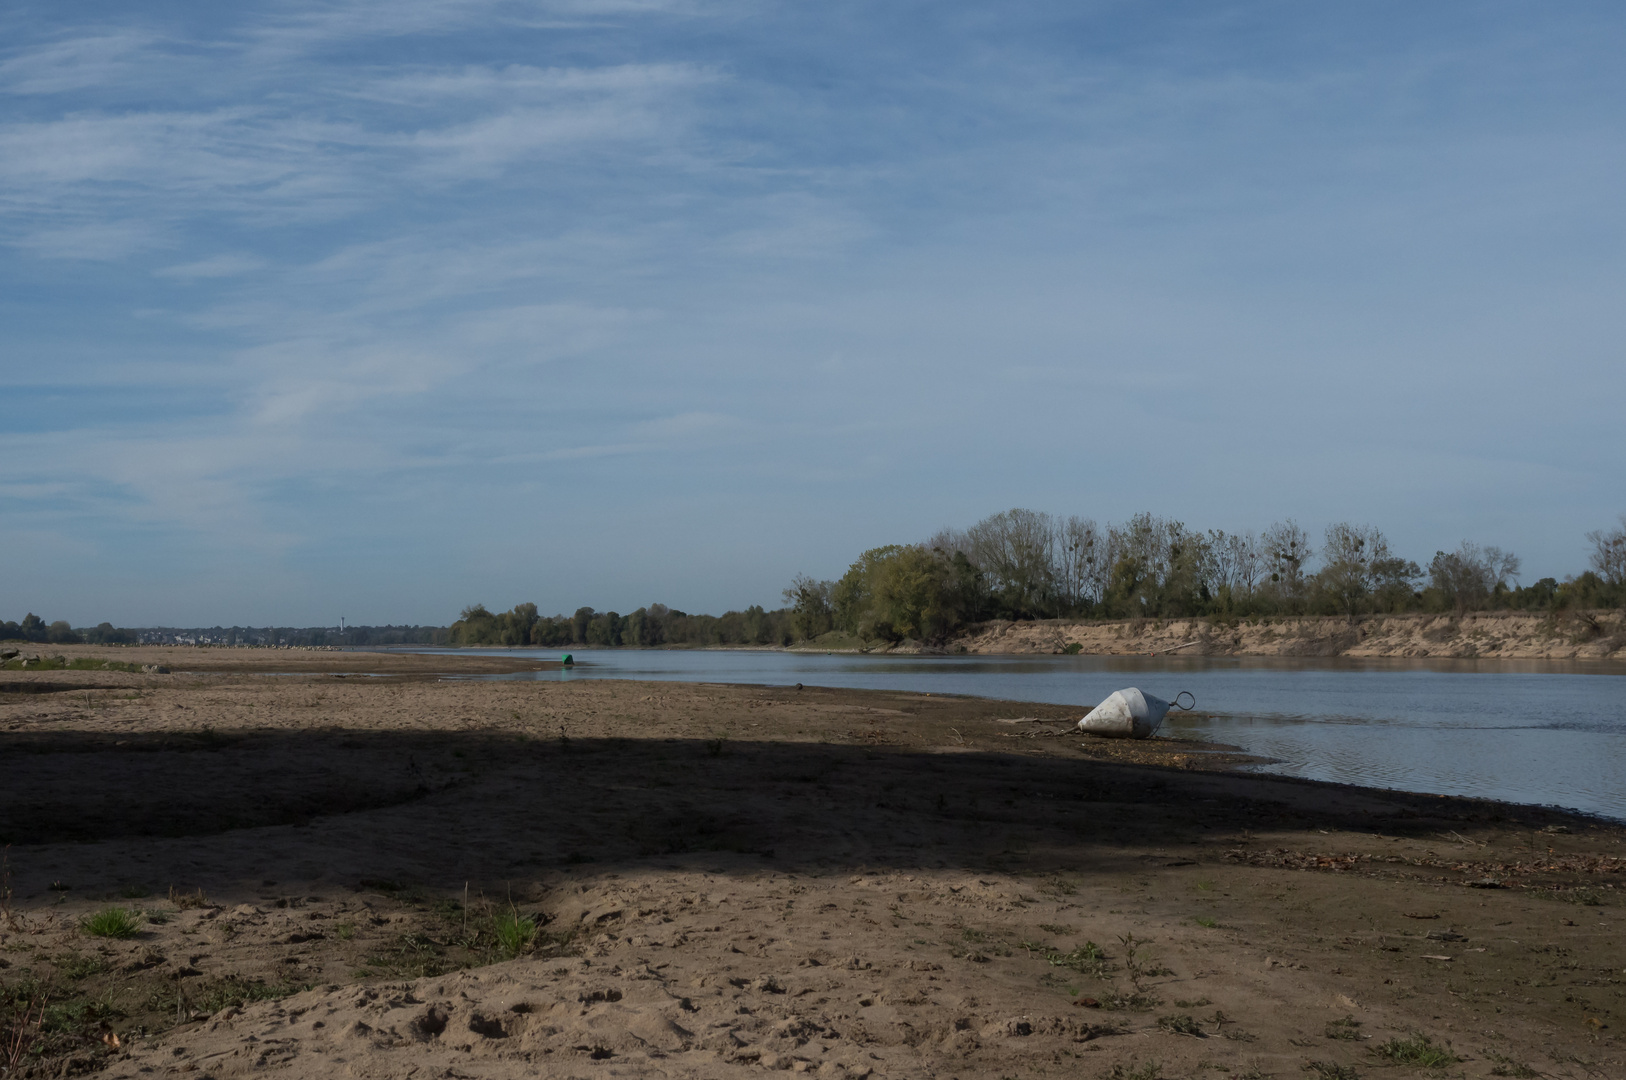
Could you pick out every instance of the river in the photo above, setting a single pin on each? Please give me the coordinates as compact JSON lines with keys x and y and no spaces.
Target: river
{"x":1528,"y":731}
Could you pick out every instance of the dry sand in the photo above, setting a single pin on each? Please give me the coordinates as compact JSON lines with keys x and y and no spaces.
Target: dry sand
{"x":735,"y":879}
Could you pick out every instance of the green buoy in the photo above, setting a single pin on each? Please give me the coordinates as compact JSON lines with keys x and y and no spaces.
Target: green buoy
{"x":568,"y":661}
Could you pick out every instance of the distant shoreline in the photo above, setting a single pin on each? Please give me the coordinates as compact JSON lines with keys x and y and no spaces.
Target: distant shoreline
{"x":1488,"y":635}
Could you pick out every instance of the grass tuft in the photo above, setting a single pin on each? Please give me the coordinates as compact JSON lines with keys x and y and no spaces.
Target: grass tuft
{"x":183,"y":900}
{"x":1506,"y":1066}
{"x":514,"y":932}
{"x":76,"y":966}
{"x":1419,"y":1050}
{"x":1328,"y":1070}
{"x":1346,"y":1029}
{"x":1181,"y":1025}
{"x":113,"y":922}
{"x":1152,"y":1070}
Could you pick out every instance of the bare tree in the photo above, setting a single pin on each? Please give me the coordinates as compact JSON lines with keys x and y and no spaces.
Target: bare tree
{"x":1015,"y":550}
{"x":1609,"y":553}
{"x":1286,"y":552}
{"x":1247,"y":555}
{"x":1083,"y":562}
{"x":1470,"y":575}
{"x":1351,"y":560}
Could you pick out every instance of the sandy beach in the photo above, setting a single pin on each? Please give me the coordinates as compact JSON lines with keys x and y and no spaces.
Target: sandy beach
{"x":321,"y":851}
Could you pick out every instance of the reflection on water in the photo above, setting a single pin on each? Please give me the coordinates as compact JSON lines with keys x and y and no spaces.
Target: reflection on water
{"x":1523,"y":730}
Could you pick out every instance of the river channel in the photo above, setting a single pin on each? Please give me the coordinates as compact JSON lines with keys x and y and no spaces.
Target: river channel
{"x":1545,"y":732}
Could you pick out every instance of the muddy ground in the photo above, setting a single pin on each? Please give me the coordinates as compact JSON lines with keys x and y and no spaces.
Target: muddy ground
{"x":402,"y":876}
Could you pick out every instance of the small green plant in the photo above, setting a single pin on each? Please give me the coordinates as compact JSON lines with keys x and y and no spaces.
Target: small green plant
{"x":1057,"y":928}
{"x":1087,"y":959}
{"x":514,"y":932}
{"x":1073,"y":648}
{"x":1132,"y":963}
{"x":1206,"y":923}
{"x":1418,"y":1050}
{"x":77,"y":966}
{"x":345,"y":931}
{"x":1346,"y":1029}
{"x":1113,"y":1001}
{"x":1180,"y":1025}
{"x":240,"y":992}
{"x":1506,"y":1066}
{"x":1152,"y":1070}
{"x":113,"y":922}
{"x":1328,"y":1070}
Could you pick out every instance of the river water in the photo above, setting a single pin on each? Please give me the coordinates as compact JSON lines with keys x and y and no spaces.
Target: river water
{"x":1546,"y":732}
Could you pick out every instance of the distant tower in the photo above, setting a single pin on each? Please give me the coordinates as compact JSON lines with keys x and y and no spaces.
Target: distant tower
{"x":341,"y":624}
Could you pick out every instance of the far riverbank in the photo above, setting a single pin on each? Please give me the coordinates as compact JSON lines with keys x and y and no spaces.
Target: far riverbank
{"x":1503,"y":635}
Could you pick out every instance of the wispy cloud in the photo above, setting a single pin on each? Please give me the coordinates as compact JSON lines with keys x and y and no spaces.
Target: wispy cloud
{"x":215,"y":266}
{"x":404,"y":256}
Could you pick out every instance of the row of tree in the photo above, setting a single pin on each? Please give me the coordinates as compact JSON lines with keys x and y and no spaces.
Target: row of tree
{"x":1023,"y":564}
{"x":35,"y":629}
{"x":654,"y":625}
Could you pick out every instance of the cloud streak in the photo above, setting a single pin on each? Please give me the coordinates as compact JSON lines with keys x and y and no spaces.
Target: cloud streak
{"x":771,"y":285}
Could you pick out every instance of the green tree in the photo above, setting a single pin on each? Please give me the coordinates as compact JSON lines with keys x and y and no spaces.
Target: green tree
{"x":811,"y":613}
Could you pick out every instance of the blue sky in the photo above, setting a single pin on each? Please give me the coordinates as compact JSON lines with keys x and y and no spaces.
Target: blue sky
{"x":386,"y":308}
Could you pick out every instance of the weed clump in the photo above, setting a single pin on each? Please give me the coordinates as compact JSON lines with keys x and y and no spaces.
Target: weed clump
{"x":1152,"y":1070}
{"x":1327,"y":1070}
{"x":1346,"y":1029}
{"x":1181,"y":1025}
{"x":1087,"y":959}
{"x":1418,"y":1050}
{"x":113,"y":922}
{"x":75,"y":966}
{"x":1506,"y":1066}
{"x":514,"y":932}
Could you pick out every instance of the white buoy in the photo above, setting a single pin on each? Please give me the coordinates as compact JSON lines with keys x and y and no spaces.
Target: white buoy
{"x":1128,"y":714}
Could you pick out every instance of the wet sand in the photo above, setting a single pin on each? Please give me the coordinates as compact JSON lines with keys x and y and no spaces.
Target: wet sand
{"x":727,"y":879}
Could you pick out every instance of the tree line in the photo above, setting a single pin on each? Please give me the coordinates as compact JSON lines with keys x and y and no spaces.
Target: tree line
{"x":1020,"y":564}
{"x":35,"y":629}
{"x":1025,"y":564}
{"x":649,"y":626}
